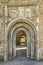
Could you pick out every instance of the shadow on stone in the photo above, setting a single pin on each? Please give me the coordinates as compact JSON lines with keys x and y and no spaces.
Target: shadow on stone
{"x":1,"y":58}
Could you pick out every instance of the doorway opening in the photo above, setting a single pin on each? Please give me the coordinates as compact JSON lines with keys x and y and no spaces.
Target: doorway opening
{"x":21,"y":45}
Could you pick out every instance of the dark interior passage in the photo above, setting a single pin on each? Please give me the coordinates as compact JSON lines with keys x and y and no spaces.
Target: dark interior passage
{"x":21,"y":43}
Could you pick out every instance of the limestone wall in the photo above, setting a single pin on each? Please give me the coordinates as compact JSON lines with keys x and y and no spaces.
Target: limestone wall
{"x":1,"y":30}
{"x":41,"y":29}
{"x":11,"y":13}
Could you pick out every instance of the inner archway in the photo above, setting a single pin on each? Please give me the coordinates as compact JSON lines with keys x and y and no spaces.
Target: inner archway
{"x":21,"y":44}
{"x":21,"y":38}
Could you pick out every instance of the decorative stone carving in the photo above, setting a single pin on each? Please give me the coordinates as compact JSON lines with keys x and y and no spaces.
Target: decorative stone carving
{"x":28,"y":13}
{"x":21,"y":12}
{"x":14,"y":13}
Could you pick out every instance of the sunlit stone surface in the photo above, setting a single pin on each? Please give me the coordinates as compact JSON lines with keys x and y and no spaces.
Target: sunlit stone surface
{"x":17,"y":15}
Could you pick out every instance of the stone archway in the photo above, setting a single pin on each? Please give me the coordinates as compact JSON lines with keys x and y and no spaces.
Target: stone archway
{"x":31,"y":33}
{"x":28,"y":41}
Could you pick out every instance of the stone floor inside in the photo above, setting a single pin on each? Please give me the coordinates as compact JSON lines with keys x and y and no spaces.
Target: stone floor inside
{"x":21,"y":51}
{"x":21,"y":60}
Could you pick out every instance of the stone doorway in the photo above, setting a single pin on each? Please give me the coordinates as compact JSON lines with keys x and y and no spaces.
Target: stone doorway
{"x":14,"y":29}
{"x":21,"y":45}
